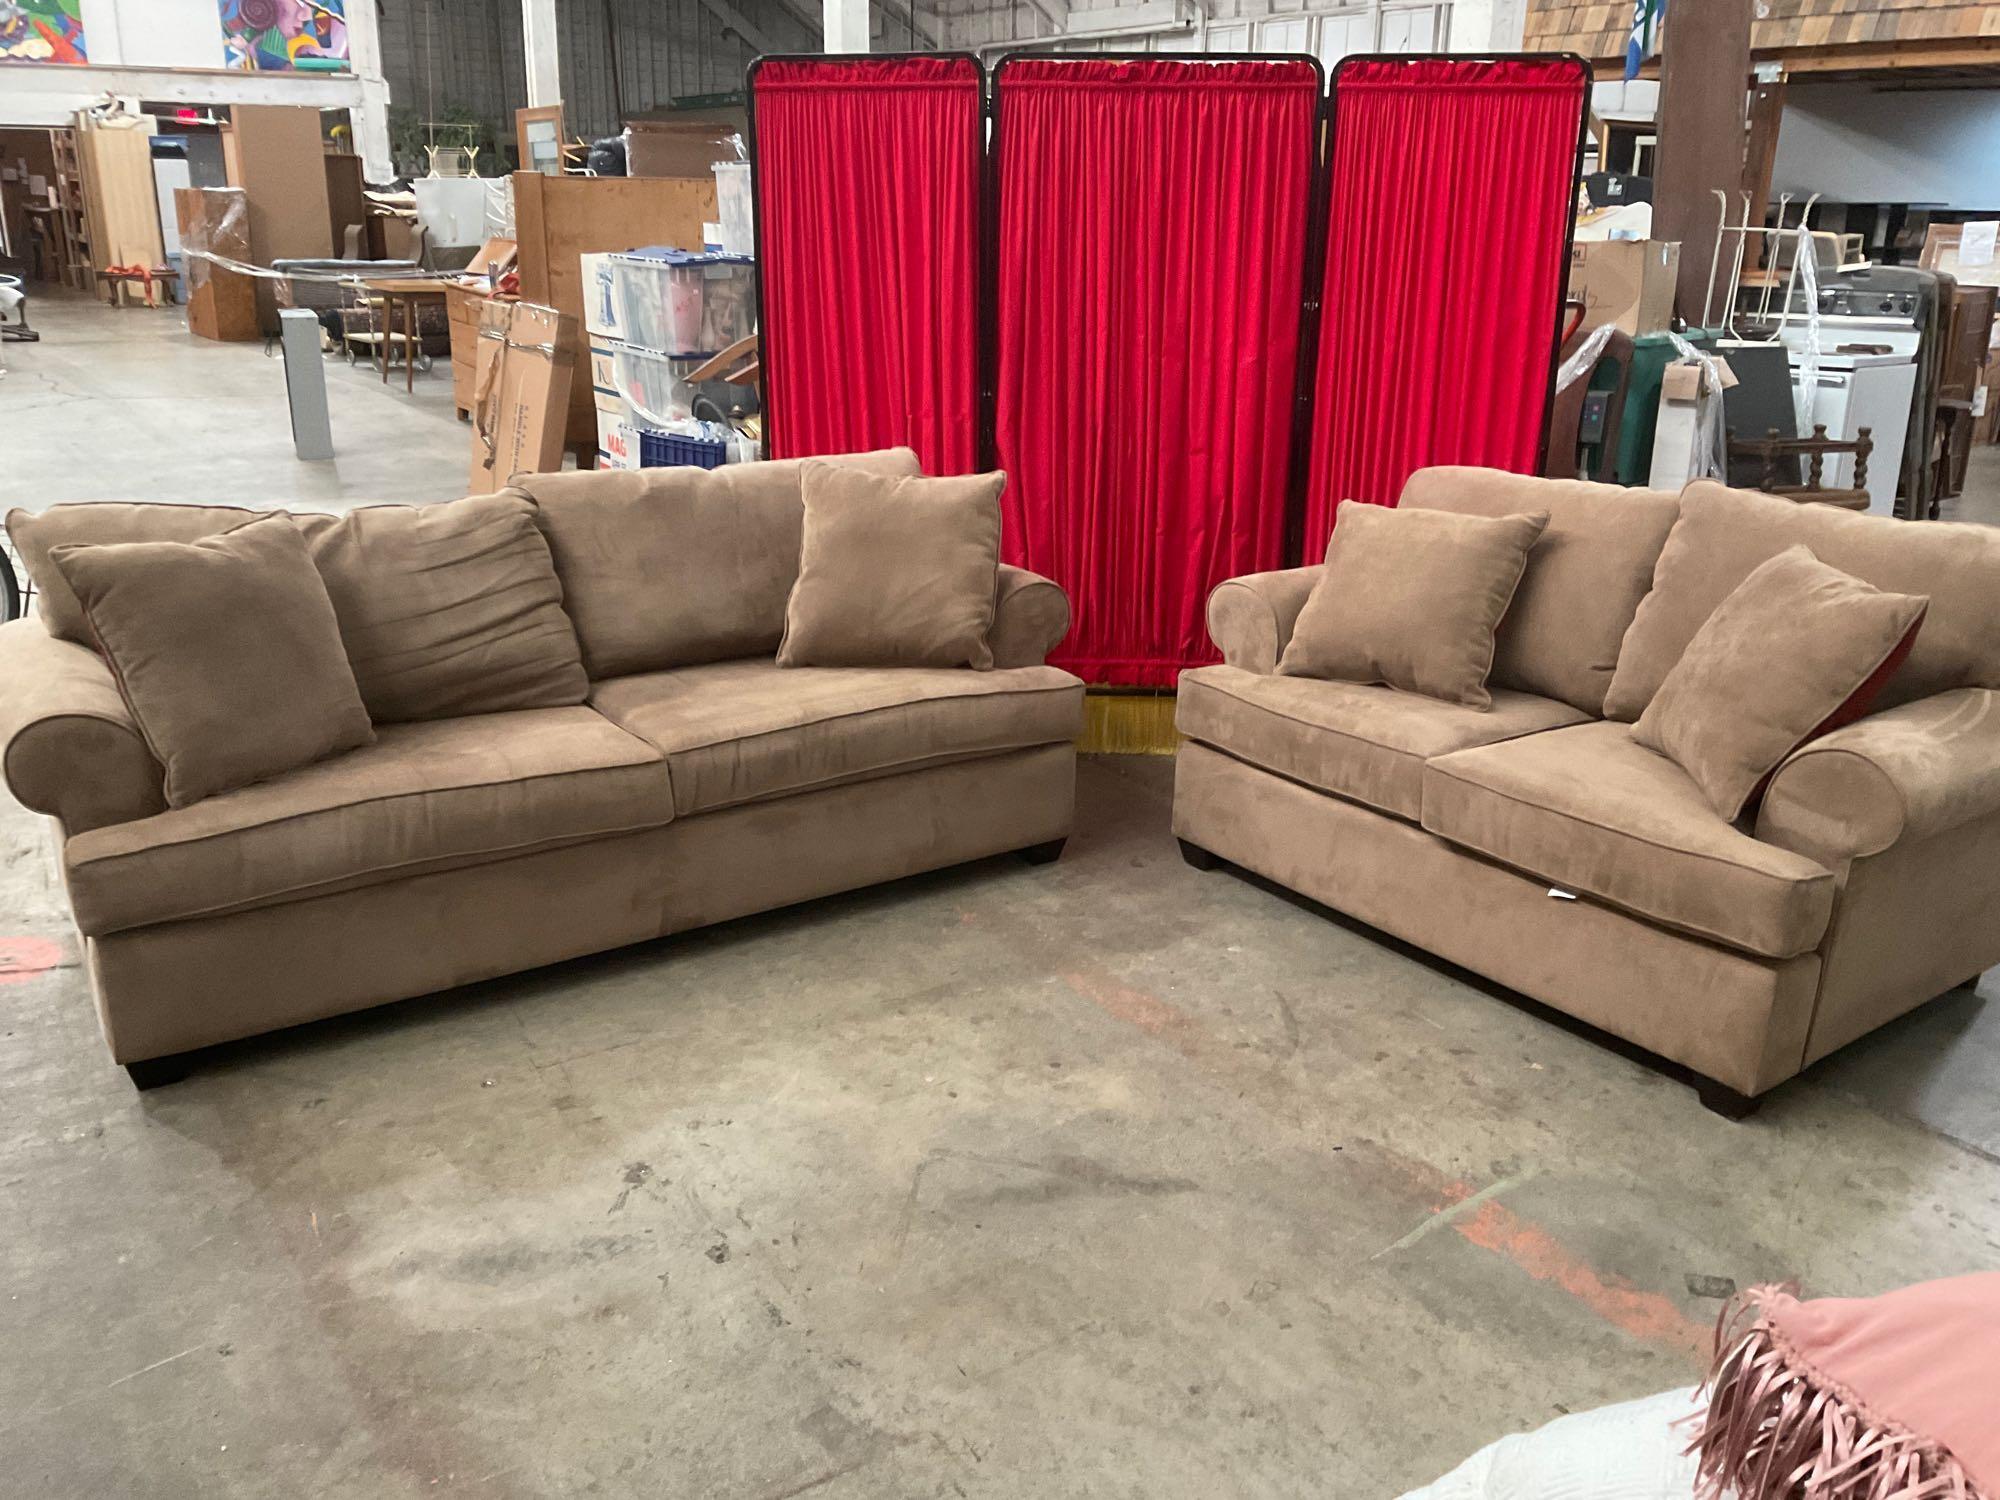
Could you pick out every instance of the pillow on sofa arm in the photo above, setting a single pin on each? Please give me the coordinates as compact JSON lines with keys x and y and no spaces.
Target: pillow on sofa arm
{"x":894,"y":572}
{"x":1411,"y":598}
{"x":1796,"y":651}
{"x":225,"y":649}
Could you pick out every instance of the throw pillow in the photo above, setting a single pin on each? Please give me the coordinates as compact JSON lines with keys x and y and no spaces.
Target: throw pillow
{"x":449,"y":610}
{"x":226,"y":651}
{"x":894,"y":572}
{"x":1411,"y":598}
{"x":1796,"y":651}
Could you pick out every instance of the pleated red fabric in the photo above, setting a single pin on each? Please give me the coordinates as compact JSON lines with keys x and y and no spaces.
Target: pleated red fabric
{"x":868,"y":197}
{"x":1151,"y":262}
{"x":1449,"y":211}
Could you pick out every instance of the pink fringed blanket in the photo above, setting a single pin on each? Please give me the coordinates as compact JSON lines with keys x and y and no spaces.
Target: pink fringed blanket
{"x":1894,"y":1397}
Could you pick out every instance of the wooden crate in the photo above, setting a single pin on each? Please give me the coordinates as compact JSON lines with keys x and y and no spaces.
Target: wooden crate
{"x":463,"y":306}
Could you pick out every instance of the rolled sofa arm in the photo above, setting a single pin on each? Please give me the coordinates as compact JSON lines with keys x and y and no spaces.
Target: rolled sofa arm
{"x":1031,"y":619}
{"x":68,"y":746}
{"x":1910,"y":772}
{"x":1250,"y":619}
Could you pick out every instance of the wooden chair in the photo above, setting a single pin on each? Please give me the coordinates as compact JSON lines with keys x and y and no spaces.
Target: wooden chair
{"x":1780,"y":456}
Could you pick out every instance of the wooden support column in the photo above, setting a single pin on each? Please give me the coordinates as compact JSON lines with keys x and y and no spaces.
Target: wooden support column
{"x":1704,"y":82}
{"x":1760,"y":157}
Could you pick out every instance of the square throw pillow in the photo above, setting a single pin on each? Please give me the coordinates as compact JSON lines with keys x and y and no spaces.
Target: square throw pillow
{"x":449,"y":610}
{"x":1411,"y":598}
{"x":226,"y":651}
{"x":894,"y":572}
{"x":1798,"y":650}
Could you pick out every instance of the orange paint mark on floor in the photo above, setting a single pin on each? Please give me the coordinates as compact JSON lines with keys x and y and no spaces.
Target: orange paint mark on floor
{"x":1643,"y":1315}
{"x":22,"y":958}
{"x":1148,"y":1012}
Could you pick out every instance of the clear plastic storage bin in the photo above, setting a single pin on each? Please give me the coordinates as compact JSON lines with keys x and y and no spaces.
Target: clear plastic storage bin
{"x":654,"y":386}
{"x":677,"y":303}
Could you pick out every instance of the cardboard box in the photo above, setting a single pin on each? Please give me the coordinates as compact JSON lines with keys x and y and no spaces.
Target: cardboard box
{"x":521,"y":382}
{"x":603,"y":367}
{"x":600,"y":308}
{"x":617,"y":443}
{"x":1626,"y":283}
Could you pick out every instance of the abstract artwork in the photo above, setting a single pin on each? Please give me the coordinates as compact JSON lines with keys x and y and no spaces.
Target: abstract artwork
{"x":42,"y":31}
{"x":283,"y":35}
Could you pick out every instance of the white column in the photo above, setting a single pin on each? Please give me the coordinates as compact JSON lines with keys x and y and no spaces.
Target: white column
{"x":538,"y":45}
{"x":846,"y":25}
{"x":371,"y":116}
{"x":1488,"y":25}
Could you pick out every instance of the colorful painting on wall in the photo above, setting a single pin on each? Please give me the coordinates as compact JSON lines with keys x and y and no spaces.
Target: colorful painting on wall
{"x":42,"y":31}
{"x":283,"y":35}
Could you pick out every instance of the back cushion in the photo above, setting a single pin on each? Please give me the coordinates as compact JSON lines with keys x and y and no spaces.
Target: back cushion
{"x":669,"y":567}
{"x":448,"y":609}
{"x":1723,"y":534}
{"x":1585,"y":576}
{"x":104,"y":521}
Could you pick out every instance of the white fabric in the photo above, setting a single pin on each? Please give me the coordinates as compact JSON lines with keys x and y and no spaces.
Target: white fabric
{"x":1631,"y":1451}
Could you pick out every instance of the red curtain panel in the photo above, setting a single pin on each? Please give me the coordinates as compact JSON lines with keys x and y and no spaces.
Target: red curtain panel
{"x":1449,"y":212}
{"x":1151,"y":261}
{"x":868,"y":199}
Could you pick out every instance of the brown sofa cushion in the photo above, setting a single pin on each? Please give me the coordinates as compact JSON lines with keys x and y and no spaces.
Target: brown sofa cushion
{"x":35,"y":535}
{"x":1798,"y":650}
{"x":741,"y":731}
{"x":426,"y":796}
{"x":225,"y":649}
{"x":1592,"y":812}
{"x":1367,"y":744}
{"x":1411,"y":598}
{"x":895,"y":572}
{"x":449,"y":609}
{"x":1723,"y":534}
{"x":1585,"y":576}
{"x":669,"y":567}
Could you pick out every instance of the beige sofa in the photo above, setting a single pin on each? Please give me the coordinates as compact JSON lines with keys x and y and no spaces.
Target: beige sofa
{"x":458,"y":849}
{"x":1537,"y":844}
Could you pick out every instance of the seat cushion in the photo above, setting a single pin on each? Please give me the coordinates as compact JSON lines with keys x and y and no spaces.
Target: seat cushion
{"x":424,"y":796}
{"x":1585,"y":575}
{"x":741,"y":731}
{"x":1367,"y":744}
{"x":1592,"y":812}
{"x":1724,"y":534}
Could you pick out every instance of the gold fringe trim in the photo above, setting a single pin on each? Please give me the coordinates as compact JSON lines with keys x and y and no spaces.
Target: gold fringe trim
{"x":1128,"y":724}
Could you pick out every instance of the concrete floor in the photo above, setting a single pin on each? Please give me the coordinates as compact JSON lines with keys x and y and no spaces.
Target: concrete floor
{"x":1105,"y":1178}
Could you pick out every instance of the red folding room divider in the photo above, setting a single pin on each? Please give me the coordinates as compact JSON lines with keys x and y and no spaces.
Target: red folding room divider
{"x":1447,"y":235}
{"x":1151,"y":247}
{"x":869,"y":188}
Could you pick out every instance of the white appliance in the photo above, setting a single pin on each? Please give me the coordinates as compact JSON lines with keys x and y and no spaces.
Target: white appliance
{"x":1853,"y":391}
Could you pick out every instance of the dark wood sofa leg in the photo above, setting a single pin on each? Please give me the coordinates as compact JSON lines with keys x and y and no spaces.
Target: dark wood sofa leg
{"x":1199,"y":857}
{"x":1044,"y":854}
{"x":156,"y":1071}
{"x":1725,"y":1101}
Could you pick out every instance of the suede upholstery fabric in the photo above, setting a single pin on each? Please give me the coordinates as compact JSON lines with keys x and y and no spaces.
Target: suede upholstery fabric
{"x":175,"y":986}
{"x":1030,"y":618}
{"x":36,"y":535}
{"x":453,"y":790}
{"x":1728,"y":1015}
{"x":742,"y":731}
{"x":448,"y":609}
{"x":1250,"y":619}
{"x":226,"y":650}
{"x":1911,"y":772}
{"x":1792,"y":647}
{"x":1723,"y":534}
{"x":68,"y":744}
{"x":1368,"y":744}
{"x":895,"y":572}
{"x":671,"y":567}
{"x":1585,"y":576}
{"x":1590,"y":811}
{"x":1412,"y":598}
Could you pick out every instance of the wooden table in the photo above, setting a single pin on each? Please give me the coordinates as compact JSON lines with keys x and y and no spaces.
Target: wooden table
{"x":123,"y":279}
{"x":408,"y":292}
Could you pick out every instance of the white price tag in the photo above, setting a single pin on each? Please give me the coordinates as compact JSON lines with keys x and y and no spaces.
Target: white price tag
{"x":1979,"y":243}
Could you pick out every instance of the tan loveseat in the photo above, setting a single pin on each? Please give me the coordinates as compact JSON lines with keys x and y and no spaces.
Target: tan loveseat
{"x":458,"y":849}
{"x":1537,"y":844}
